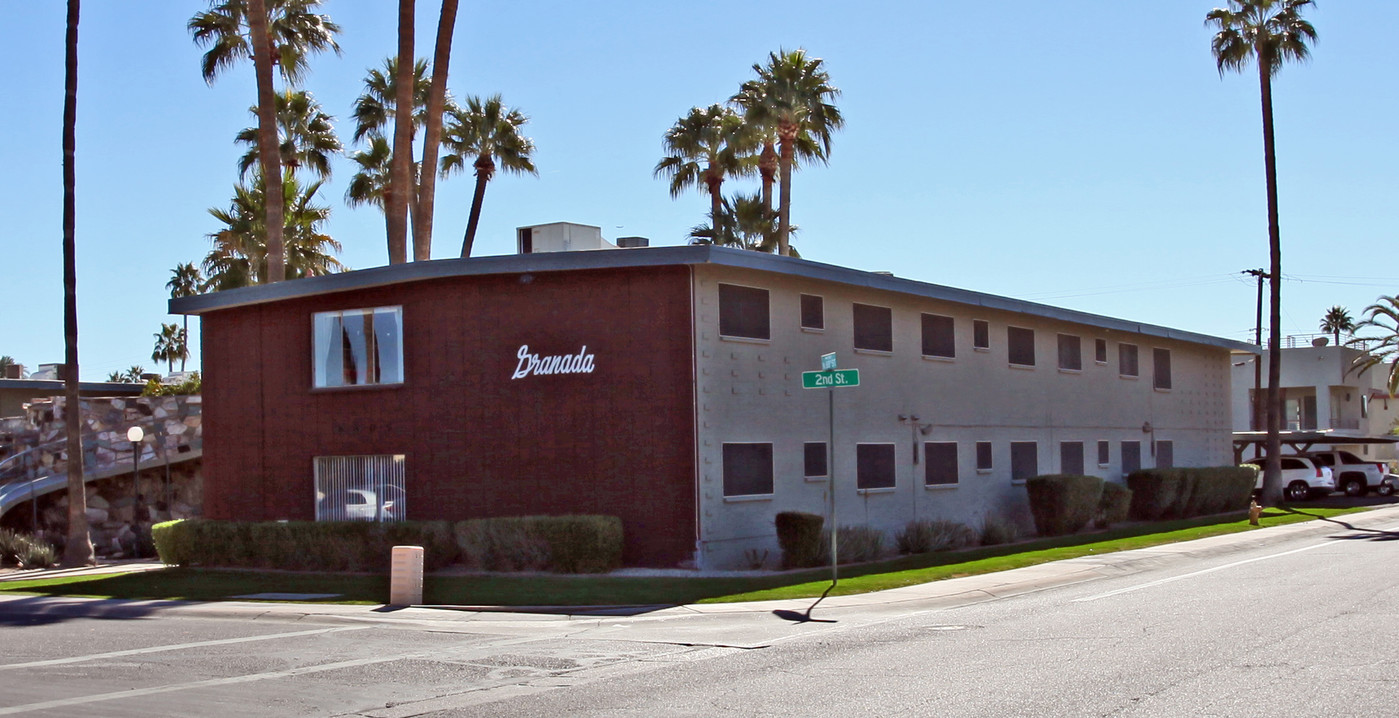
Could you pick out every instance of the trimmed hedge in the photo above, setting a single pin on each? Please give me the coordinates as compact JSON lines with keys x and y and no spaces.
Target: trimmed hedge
{"x":1063,"y":503}
{"x":1115,"y":505}
{"x":575,"y":544}
{"x":1188,"y":492}
{"x":799,"y":536}
{"x":564,"y":544}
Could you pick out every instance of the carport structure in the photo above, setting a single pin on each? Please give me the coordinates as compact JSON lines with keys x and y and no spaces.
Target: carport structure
{"x":1301,"y":442}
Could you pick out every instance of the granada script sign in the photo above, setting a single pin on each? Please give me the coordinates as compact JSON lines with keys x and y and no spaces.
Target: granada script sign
{"x":580,"y":363}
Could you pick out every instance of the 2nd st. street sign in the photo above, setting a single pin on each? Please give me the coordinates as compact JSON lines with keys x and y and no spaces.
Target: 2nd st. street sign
{"x":830,"y":379}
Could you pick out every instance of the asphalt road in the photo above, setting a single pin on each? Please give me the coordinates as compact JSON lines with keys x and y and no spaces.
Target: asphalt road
{"x":1297,"y":624}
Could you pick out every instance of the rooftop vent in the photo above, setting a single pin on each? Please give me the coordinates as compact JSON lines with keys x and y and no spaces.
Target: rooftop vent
{"x":632,"y":242}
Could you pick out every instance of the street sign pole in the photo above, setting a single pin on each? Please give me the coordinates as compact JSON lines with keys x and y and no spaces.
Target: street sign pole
{"x":831,"y":480}
{"x":830,"y":378}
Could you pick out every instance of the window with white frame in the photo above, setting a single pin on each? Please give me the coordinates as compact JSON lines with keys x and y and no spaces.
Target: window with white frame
{"x":1070,"y":353}
{"x":981,"y":334}
{"x":1165,"y":454}
{"x":360,"y":488}
{"x":1071,"y":457}
{"x":874,"y":466}
{"x":1104,"y":453}
{"x":940,"y":463}
{"x":743,"y":312}
{"x":814,"y":460}
{"x":1024,"y":460}
{"x":1131,"y":457}
{"x":1127,"y":359}
{"x":1100,"y":351}
{"x":747,"y":469}
{"x":1161,"y":368}
{"x":813,"y":312}
{"x":984,"y":457}
{"x":874,"y":328}
{"x":937,"y":336}
{"x":1020,"y":344}
{"x":358,"y":347}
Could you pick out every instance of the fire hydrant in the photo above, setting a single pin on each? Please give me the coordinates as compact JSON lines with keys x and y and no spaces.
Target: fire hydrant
{"x":1253,"y":511}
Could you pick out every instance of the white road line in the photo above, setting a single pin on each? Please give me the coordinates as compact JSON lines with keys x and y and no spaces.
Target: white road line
{"x":139,"y":692}
{"x":175,"y":647}
{"x":1192,"y":574}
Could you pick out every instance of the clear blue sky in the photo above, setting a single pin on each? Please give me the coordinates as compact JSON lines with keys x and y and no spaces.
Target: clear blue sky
{"x":1083,"y":154}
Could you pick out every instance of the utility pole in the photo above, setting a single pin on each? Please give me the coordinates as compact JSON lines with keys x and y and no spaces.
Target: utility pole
{"x":1258,"y":401}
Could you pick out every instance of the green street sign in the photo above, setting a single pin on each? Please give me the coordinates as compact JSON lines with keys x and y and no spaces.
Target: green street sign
{"x":830,"y":379}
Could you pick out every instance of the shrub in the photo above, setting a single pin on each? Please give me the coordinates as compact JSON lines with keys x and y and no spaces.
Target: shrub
{"x":566,"y":544}
{"x":582,"y":544}
{"x":26,"y":551}
{"x":799,"y":535}
{"x":925,"y":535}
{"x":1114,"y":505}
{"x":1188,"y":492}
{"x":997,"y":529}
{"x":1063,"y":503}
{"x":857,"y":544}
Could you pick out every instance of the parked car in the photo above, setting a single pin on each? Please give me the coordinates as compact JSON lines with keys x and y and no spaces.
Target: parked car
{"x":1301,"y":477}
{"x":1387,"y":486}
{"x":355,"y":505}
{"x":1354,"y":475}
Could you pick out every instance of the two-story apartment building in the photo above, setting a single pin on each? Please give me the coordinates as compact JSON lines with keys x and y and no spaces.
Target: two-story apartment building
{"x":663,"y":385}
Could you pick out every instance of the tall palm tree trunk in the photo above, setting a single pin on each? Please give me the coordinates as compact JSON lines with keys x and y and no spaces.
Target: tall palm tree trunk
{"x":477,"y":198}
{"x":1272,"y":476}
{"x":268,"y":151}
{"x":432,"y":132}
{"x":78,"y":550}
{"x":784,"y":215}
{"x":715,"y":184}
{"x":767,"y":169}
{"x":400,"y":167}
{"x":185,"y":356}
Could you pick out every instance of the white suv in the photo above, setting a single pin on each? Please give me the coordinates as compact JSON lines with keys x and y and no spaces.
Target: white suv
{"x":1354,"y":475}
{"x":1301,"y":477}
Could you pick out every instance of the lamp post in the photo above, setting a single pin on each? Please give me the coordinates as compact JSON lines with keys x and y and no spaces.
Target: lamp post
{"x":135,"y":435}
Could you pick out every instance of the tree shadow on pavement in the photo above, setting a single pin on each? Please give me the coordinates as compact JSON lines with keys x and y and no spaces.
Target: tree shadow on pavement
{"x":1366,"y":534}
{"x":45,"y":610}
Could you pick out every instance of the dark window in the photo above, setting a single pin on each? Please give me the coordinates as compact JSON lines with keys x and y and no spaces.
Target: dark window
{"x":1290,"y":464}
{"x":937,"y":336}
{"x":1021,"y":342}
{"x":747,"y":469}
{"x":1127,"y":359}
{"x":1349,"y":458}
{"x":1071,"y":457}
{"x":940,"y":463}
{"x":526,"y":240}
{"x":874,"y":466}
{"x":743,"y":312}
{"x":1104,"y":453}
{"x":1161,"y":368}
{"x":1024,"y":460}
{"x":1070,"y":352}
{"x":983,"y":456}
{"x":815,"y":453}
{"x":1131,"y":457}
{"x":1165,"y":455}
{"x":981,"y":334}
{"x":1100,"y":351}
{"x":874,"y":328}
{"x":813,"y":312}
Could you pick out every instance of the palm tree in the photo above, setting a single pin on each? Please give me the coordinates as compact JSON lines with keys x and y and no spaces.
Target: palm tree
{"x":115,"y":377}
{"x":78,"y":549}
{"x":792,"y":93}
{"x":306,"y":136}
{"x":280,"y":32}
{"x":485,"y":132}
{"x":375,"y":110}
{"x":185,"y":281}
{"x":169,"y":345}
{"x":1268,"y":32}
{"x":1384,"y":316}
{"x":743,"y":223}
{"x":807,"y":147}
{"x":702,"y":148}
{"x":372,"y":180}
{"x":238,"y":258}
{"x":133,"y":374}
{"x":432,"y":133}
{"x":1337,"y":320}
{"x":396,"y":203}
{"x":6,"y":362}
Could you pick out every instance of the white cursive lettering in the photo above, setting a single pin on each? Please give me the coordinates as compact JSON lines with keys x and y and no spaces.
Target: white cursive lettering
{"x":580,"y":363}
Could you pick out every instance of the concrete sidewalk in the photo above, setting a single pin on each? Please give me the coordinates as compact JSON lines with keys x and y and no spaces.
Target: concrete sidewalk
{"x":750,"y":624}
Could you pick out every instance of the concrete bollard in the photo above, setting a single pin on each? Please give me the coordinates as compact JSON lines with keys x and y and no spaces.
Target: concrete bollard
{"x":406,"y":576}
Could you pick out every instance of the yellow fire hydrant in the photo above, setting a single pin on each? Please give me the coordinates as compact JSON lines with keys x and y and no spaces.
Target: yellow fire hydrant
{"x":1253,"y":511}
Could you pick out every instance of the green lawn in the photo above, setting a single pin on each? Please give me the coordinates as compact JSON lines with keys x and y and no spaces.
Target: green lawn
{"x":508,"y":590}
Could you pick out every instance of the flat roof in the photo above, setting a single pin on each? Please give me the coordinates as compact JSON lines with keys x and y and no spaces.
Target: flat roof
{"x":660,"y":257}
{"x":91,"y":388}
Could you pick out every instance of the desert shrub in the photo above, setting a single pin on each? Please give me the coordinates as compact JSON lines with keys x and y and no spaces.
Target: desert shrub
{"x":1188,"y":492}
{"x":1063,"y":503}
{"x":1114,"y":506}
{"x":26,"y":551}
{"x":565,"y":544}
{"x":799,"y":535}
{"x":854,"y":544}
{"x":925,"y":535}
{"x":997,"y":529}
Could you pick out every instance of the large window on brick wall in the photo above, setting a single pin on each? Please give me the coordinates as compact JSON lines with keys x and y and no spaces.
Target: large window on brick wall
{"x":743,"y":312}
{"x":357,"y":347}
{"x":874,"y":328}
{"x":874,"y":466}
{"x":747,"y":469}
{"x":940,"y":463}
{"x":1020,"y":343}
{"x":937,"y":336}
{"x":360,"y":488}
